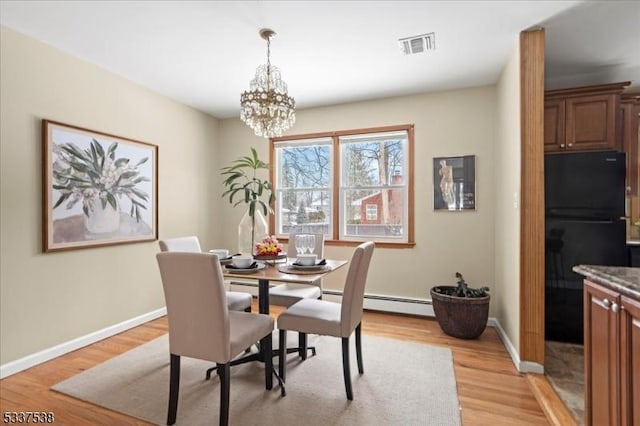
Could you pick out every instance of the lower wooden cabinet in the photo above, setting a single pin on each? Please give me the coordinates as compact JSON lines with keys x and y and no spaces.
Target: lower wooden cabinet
{"x":612,"y":357}
{"x":630,"y":361}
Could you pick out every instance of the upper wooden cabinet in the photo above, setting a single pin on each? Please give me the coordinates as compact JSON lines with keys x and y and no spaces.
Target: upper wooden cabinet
{"x":630,"y":133}
{"x":583,"y":119}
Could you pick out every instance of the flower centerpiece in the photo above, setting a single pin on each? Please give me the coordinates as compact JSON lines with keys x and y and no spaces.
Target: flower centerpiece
{"x":269,"y":247}
{"x":99,"y":180}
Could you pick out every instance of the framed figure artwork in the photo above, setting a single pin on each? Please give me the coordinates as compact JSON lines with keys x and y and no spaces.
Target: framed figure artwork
{"x":454,"y":183}
{"x":98,"y":189}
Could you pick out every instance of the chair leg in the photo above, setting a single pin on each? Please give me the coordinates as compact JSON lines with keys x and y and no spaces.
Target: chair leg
{"x":282,"y":354}
{"x":246,"y":351}
{"x":174,"y":388}
{"x":345,"y":368}
{"x":266,"y":349}
{"x":224,"y":371}
{"x":359,"y":348}
{"x":302,"y":345}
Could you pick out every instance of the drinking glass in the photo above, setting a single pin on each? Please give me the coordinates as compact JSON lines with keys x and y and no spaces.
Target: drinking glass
{"x":299,"y":243}
{"x":311,"y":243}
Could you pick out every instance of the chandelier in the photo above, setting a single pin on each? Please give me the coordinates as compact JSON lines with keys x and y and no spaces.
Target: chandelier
{"x":266,"y":107}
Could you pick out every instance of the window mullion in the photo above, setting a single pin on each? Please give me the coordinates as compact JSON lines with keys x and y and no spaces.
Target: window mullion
{"x":337,"y":196}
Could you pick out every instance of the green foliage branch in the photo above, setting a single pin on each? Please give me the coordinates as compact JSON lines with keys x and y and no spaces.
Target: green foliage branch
{"x":245,"y":187}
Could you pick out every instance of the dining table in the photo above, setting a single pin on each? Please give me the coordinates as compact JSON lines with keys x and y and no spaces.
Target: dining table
{"x":265,"y":273}
{"x":284,"y":272}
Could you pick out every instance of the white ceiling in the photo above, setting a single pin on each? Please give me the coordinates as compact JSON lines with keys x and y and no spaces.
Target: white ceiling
{"x":204,"y":53}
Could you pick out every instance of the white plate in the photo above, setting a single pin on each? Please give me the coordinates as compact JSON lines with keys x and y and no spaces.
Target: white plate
{"x":306,"y":268}
{"x":260,"y":267}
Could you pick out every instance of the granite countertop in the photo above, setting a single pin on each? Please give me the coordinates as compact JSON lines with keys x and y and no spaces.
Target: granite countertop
{"x":626,"y":281}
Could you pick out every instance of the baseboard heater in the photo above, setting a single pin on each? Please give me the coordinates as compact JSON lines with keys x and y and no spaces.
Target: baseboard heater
{"x":374,"y":302}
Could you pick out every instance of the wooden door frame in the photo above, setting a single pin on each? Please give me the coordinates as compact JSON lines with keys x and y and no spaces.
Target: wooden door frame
{"x":532,"y":196}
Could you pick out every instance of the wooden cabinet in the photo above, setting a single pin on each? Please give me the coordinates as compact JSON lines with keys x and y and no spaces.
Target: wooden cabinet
{"x":554,"y":138}
{"x":612,"y":357}
{"x":630,"y":361}
{"x":583,"y":119}
{"x":630,"y":130}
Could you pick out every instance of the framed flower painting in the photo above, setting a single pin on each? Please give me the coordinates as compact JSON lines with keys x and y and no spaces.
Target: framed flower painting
{"x":98,"y":189}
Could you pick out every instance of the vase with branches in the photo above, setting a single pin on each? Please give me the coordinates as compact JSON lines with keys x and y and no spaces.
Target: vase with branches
{"x":244,"y":186}
{"x":98,"y":179}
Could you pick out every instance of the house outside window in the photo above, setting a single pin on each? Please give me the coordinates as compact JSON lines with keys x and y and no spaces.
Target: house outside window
{"x":351,"y":186}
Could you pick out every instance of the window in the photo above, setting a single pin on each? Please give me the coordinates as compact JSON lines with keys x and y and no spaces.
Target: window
{"x":350,"y":185}
{"x":372,"y":212}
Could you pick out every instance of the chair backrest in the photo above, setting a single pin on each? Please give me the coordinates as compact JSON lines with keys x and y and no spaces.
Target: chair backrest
{"x":183,"y":244}
{"x":353,"y":294}
{"x":196,"y":305}
{"x":319,"y":248}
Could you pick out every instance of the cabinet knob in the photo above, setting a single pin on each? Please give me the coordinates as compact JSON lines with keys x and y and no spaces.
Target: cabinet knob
{"x":615,"y":307}
{"x":561,"y":145}
{"x":570,"y":145}
{"x":606,"y":303}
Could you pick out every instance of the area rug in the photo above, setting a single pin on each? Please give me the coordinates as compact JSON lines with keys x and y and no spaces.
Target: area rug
{"x":404,"y":383}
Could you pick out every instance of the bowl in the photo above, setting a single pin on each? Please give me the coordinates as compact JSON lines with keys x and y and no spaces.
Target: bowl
{"x":307,"y":259}
{"x":221,"y":253}
{"x":242,"y":261}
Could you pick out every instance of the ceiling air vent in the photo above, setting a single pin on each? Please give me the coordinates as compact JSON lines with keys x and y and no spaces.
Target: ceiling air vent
{"x":418,"y":44}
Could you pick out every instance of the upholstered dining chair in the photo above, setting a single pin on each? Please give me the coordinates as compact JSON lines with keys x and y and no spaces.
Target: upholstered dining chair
{"x":202,"y":326}
{"x":330,"y":318}
{"x":236,"y":300}
{"x":289,"y":293}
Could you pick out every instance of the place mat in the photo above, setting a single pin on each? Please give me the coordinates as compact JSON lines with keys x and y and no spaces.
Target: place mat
{"x":256,"y":266}
{"x":287,"y":269}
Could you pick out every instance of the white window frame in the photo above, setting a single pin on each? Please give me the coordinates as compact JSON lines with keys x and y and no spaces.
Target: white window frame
{"x":278,"y":190}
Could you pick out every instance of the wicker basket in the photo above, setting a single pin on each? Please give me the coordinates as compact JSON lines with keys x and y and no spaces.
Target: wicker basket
{"x":463,"y":317}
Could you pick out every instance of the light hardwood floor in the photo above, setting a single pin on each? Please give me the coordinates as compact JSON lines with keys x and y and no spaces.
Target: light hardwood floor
{"x":490,"y":389}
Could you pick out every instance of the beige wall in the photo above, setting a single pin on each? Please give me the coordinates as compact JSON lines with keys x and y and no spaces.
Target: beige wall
{"x":48,"y":299}
{"x":507,"y":199}
{"x":458,"y":122}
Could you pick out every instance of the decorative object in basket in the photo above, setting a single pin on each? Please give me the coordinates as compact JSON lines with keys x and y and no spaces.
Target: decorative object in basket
{"x":461,"y":311}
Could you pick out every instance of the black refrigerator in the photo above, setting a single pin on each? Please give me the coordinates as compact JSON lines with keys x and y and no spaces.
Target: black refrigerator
{"x":584,"y":224}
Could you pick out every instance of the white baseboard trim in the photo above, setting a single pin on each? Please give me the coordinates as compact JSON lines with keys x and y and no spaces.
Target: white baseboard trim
{"x":47,"y":354}
{"x":522,"y":366}
{"x":376,"y":302}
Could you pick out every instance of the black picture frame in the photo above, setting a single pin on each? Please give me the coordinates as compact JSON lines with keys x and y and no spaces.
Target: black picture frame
{"x":454,"y":183}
